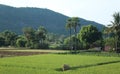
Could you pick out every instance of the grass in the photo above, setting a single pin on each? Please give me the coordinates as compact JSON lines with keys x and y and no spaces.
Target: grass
{"x":52,"y":64}
{"x":109,"y":54}
{"x":93,"y":53}
{"x":32,"y":50}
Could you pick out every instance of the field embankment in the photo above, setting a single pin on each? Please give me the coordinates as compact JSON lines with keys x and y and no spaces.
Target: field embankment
{"x":8,"y":52}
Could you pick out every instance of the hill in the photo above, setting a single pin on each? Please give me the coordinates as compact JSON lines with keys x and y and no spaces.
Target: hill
{"x":14,"y":19}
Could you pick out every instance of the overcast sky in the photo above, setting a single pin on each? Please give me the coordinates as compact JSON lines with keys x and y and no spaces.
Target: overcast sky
{"x":100,"y":11}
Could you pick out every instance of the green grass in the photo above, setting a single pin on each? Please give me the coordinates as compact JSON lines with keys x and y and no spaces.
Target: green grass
{"x":33,"y":50}
{"x":51,"y":64}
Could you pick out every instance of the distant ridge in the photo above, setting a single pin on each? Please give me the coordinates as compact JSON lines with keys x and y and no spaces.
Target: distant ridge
{"x":15,"y":19}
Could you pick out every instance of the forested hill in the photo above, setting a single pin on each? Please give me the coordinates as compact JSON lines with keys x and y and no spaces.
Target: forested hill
{"x":15,"y":19}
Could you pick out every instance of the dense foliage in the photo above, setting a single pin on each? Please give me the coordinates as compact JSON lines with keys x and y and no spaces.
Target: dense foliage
{"x":89,"y":34}
{"x":113,"y":31}
{"x":8,"y":38}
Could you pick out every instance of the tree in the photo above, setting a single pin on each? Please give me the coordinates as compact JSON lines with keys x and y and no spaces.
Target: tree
{"x":10,"y":37}
{"x":21,"y":41}
{"x":73,"y":22}
{"x":40,"y":37}
{"x":69,"y":26}
{"x":29,"y":33}
{"x":41,"y":34}
{"x":89,"y":34}
{"x":67,"y":42}
{"x":30,"y":36}
{"x":116,"y":28}
{"x":35,"y":38}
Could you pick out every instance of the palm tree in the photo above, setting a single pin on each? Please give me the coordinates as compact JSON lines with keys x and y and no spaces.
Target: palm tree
{"x":75,"y":23}
{"x":116,"y":27}
{"x":69,"y":26}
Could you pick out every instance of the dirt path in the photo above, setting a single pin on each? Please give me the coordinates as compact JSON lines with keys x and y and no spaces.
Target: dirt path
{"x":17,"y":53}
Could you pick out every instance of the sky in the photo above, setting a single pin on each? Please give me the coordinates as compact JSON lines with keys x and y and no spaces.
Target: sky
{"x":100,"y":11}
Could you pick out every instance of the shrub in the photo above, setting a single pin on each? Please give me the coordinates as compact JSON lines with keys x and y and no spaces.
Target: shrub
{"x":21,"y":42}
{"x":44,"y":45}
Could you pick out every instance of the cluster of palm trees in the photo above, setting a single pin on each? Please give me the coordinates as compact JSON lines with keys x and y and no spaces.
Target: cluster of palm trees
{"x":73,"y":23}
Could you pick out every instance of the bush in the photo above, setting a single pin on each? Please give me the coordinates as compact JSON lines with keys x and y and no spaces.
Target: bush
{"x":71,"y":44}
{"x":110,"y":42}
{"x":29,"y":45}
{"x":44,"y":45}
{"x":36,"y":46}
{"x":21,"y":42}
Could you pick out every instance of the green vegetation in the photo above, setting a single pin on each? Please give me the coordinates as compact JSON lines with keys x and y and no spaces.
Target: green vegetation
{"x":7,"y":38}
{"x":35,"y":38}
{"x":88,"y":35}
{"x":70,"y":43}
{"x":52,"y":64}
{"x":113,"y":31}
{"x":73,"y":23}
{"x":31,"y":38}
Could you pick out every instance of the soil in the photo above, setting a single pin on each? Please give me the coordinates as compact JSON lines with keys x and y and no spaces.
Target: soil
{"x":16,"y":53}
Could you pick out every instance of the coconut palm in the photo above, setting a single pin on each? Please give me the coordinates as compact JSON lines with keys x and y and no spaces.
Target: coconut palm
{"x":116,"y":27}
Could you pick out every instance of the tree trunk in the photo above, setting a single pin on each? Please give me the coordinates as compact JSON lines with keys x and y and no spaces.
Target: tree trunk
{"x":116,"y":40}
{"x":70,"y":41}
{"x":75,"y":39}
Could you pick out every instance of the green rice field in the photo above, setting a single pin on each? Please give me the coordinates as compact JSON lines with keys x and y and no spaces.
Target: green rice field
{"x":52,"y":64}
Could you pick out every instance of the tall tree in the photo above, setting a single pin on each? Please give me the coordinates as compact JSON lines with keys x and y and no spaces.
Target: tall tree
{"x":69,"y":27}
{"x":116,"y":28}
{"x":75,"y":23}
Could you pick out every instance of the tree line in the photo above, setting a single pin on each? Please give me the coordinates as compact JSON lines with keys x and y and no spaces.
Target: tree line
{"x":80,"y":37}
{"x":30,"y":39}
{"x":89,"y":36}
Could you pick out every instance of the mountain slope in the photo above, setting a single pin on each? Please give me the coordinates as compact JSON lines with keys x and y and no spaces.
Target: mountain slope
{"x":16,"y":19}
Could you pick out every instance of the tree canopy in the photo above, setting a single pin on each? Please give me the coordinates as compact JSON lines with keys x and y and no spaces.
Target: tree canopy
{"x":89,"y":34}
